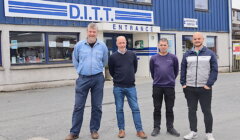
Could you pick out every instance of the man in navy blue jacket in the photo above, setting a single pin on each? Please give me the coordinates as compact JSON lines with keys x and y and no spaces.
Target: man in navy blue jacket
{"x":199,"y":70}
{"x":164,"y":70}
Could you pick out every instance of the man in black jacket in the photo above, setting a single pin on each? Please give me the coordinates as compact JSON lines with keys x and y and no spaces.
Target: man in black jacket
{"x":123,"y":66}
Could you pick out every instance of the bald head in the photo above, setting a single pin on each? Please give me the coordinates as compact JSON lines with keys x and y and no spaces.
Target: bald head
{"x":197,"y":39}
{"x":121,"y":43}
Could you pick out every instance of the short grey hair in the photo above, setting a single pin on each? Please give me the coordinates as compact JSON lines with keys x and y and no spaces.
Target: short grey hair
{"x":121,"y":37}
{"x":92,"y":26}
{"x":163,"y":40}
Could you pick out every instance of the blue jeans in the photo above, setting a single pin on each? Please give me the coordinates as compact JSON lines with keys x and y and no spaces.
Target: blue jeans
{"x":83,"y":85}
{"x":131,"y":94}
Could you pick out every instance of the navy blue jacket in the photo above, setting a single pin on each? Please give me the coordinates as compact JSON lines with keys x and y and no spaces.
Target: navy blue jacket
{"x":199,"y":69}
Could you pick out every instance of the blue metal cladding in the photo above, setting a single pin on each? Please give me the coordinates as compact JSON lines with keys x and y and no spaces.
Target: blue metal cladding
{"x":168,"y":14}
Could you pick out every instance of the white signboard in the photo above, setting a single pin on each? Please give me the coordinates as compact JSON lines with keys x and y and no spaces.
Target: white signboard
{"x":128,"y":27}
{"x":190,"y":22}
{"x":79,"y":12}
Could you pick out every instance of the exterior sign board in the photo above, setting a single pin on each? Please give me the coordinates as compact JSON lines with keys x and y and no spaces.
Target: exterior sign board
{"x":78,"y":12}
{"x":128,"y":27}
{"x":190,"y":22}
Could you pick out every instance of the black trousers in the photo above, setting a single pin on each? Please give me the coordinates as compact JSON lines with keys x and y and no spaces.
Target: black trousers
{"x":204,"y":96}
{"x":169,"y":97}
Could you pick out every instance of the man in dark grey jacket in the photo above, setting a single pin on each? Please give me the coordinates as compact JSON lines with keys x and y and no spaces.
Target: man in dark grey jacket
{"x":199,"y":70}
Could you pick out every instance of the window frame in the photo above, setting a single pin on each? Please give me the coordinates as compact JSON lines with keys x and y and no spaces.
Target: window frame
{"x":238,"y":15}
{"x":186,"y":49}
{"x":136,"y":2}
{"x":46,"y":47}
{"x":215,"y":43}
{"x":204,"y":9}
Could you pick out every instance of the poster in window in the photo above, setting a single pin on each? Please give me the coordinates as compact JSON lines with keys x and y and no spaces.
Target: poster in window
{"x":201,"y":4}
{"x":66,"y":44}
{"x":14,"y":44}
{"x":52,"y":44}
{"x":236,"y":48}
{"x":210,"y":42}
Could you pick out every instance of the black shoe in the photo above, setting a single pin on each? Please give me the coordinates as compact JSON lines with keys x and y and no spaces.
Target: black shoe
{"x":173,"y":132}
{"x":155,"y":132}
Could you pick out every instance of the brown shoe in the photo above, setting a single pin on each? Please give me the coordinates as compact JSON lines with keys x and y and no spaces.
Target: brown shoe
{"x":71,"y":137}
{"x":141,"y":134}
{"x":94,"y":135}
{"x":121,"y":134}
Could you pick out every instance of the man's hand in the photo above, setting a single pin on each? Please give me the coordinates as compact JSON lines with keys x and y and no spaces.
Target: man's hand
{"x":206,"y":87}
{"x":184,"y":86}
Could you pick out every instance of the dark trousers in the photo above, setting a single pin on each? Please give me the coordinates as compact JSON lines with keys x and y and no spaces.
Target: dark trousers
{"x":169,"y":97}
{"x":204,"y":96}
{"x":83,"y":85}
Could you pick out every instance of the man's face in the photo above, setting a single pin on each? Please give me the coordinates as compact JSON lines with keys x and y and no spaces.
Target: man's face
{"x":91,"y":35}
{"x":197,"y":40}
{"x":163,"y":46}
{"x":121,"y":43}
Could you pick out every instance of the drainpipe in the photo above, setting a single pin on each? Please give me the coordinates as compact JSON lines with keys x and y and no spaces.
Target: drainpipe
{"x":230,"y":35}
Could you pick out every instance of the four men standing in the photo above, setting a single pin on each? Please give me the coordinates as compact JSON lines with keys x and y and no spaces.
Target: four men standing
{"x":199,"y":71}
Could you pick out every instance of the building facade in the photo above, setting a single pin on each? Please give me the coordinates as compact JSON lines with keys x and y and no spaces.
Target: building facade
{"x":236,"y":37}
{"x":38,"y":37}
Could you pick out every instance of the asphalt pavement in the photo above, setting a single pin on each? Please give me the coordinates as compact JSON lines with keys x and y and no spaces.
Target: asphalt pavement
{"x":45,"y":114}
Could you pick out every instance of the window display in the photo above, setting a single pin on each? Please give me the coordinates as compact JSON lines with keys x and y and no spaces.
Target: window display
{"x":27,"y":47}
{"x":31,"y":47}
{"x":61,"y":46}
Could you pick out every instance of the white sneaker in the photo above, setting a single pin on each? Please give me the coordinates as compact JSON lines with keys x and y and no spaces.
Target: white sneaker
{"x":209,"y":136}
{"x":191,"y":135}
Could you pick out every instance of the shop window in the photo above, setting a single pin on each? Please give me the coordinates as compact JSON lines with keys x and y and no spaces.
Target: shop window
{"x":238,"y":15}
{"x":61,"y":46}
{"x":201,"y":5}
{"x":186,"y":43}
{"x":27,"y":47}
{"x":211,"y":43}
{"x":31,"y":47}
{"x":137,"y":1}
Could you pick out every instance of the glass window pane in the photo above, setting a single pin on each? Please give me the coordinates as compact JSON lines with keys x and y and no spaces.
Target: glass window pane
{"x":146,"y":1}
{"x":238,"y":16}
{"x":201,"y":5}
{"x":211,"y":43}
{"x":27,"y":47}
{"x":187,"y":43}
{"x":61,"y":46}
